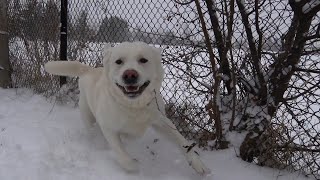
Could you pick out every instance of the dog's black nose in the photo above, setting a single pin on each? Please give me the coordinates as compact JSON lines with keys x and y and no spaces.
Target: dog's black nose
{"x":130,"y":76}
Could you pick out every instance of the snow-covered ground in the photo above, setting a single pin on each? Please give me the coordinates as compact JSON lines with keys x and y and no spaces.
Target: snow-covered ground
{"x":40,"y":140}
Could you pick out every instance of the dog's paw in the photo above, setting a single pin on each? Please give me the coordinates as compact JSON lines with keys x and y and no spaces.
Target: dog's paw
{"x":195,"y":162}
{"x":129,"y":165}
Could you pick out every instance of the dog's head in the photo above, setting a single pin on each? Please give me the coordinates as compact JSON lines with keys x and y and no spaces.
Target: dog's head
{"x":134,"y":71}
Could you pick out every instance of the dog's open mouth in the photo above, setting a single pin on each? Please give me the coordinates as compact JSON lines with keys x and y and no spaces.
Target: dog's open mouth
{"x":133,"y":91}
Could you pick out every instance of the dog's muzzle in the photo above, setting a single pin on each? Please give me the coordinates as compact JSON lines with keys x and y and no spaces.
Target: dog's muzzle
{"x":133,"y":91}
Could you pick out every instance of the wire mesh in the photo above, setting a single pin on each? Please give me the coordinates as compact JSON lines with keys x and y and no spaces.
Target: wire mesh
{"x":291,"y":138}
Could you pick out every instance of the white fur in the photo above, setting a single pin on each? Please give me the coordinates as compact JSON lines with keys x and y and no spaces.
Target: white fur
{"x":102,"y":101}
{"x":67,"y":68}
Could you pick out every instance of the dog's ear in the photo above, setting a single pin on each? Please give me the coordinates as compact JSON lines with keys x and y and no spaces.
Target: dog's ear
{"x":158,"y":50}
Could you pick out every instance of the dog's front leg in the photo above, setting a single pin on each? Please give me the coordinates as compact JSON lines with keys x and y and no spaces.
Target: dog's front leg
{"x":166,"y":127}
{"x":123,"y":158}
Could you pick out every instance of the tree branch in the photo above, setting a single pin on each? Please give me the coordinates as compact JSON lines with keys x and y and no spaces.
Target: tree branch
{"x":206,"y":35}
{"x":317,"y":71}
{"x":225,"y":68}
{"x":183,"y":3}
{"x":256,"y":8}
{"x":297,"y":148}
{"x":254,"y":52}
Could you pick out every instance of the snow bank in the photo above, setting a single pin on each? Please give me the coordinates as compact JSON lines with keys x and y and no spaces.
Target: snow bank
{"x":42,"y":140}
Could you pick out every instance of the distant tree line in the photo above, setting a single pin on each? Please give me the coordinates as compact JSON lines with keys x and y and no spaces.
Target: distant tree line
{"x":38,"y":20}
{"x":115,"y":29}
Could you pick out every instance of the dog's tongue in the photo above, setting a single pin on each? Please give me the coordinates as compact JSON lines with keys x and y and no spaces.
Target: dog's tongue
{"x":132,"y":88}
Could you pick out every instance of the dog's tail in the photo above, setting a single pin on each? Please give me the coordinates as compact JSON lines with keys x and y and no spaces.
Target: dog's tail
{"x":66,"y":68}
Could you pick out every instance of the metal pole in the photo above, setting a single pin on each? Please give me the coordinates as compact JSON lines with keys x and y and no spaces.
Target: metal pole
{"x":63,"y":36}
{"x":5,"y":78}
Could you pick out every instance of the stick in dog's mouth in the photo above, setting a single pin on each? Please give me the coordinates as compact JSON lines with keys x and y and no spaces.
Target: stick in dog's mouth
{"x":133,"y":91}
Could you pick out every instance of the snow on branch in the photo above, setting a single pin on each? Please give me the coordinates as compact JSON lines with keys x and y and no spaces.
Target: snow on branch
{"x":310,"y":6}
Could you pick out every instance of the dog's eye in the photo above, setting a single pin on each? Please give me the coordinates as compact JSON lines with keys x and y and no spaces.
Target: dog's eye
{"x":119,"y":61}
{"x":143,"y":60}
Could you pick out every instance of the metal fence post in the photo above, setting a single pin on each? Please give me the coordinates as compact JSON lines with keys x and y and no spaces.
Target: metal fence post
{"x":5,"y":78}
{"x":63,"y":36}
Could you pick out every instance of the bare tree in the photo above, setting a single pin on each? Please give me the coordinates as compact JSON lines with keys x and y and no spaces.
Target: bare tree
{"x":252,"y":84}
{"x":114,"y":29}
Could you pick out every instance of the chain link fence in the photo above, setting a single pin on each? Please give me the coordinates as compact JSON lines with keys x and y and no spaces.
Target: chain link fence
{"x":225,"y":64}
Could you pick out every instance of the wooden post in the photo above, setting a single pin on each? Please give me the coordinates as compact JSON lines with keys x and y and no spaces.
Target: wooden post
{"x":5,"y":78}
{"x":63,"y":36}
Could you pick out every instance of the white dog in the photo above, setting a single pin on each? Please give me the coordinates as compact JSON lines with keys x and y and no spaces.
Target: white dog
{"x":123,"y":97}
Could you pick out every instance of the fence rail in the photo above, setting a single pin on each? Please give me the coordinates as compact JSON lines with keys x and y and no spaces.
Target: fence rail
{"x":233,"y":68}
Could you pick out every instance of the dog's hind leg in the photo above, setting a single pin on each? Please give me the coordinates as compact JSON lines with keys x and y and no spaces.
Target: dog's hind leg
{"x":86,"y":114}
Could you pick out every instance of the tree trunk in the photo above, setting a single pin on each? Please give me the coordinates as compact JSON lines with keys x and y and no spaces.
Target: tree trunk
{"x":5,"y":78}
